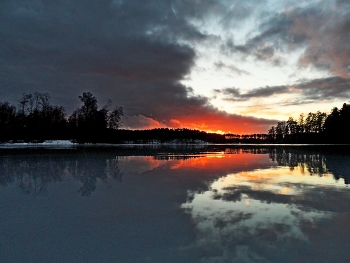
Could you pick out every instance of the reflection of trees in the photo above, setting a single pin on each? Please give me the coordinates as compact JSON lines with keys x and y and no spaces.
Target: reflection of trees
{"x":315,"y":162}
{"x":217,"y":150}
{"x":247,"y":150}
{"x":112,"y":169}
{"x":168,"y":157}
{"x":33,"y":174}
{"x":248,"y":217}
{"x":339,"y":166}
{"x":88,"y":172}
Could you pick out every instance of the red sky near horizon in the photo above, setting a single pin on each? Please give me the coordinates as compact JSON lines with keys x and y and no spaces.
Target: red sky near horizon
{"x":217,"y":66}
{"x":216,"y":122}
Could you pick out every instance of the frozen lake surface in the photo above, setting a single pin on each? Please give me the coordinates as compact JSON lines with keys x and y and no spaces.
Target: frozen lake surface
{"x":175,"y":204}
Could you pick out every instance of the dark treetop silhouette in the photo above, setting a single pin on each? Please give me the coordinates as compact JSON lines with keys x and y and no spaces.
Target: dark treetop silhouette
{"x":314,"y":128}
{"x":37,"y":120}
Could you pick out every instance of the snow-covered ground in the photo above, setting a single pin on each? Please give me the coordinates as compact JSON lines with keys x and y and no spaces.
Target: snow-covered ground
{"x":55,"y":143}
{"x":172,"y":142}
{"x":70,"y":144}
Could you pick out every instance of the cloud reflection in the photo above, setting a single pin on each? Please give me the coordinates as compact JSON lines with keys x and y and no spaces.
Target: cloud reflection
{"x":263,"y":215}
{"x":239,"y":204}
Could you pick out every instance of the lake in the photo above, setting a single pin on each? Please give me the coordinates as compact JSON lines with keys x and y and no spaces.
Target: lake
{"x":175,"y":204}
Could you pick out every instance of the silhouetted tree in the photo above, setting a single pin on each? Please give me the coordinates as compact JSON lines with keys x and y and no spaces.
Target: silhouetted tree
{"x":36,"y":119}
{"x":281,"y":131}
{"x":305,"y":130}
{"x":114,"y":118}
{"x":333,"y":121}
{"x":7,"y":115}
{"x":336,"y":125}
{"x":272,"y":134}
{"x":300,"y":125}
{"x":291,"y":126}
{"x":89,"y":117}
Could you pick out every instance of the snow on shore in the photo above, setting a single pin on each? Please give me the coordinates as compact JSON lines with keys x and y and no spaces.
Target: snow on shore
{"x":70,"y":144}
{"x":55,"y":143}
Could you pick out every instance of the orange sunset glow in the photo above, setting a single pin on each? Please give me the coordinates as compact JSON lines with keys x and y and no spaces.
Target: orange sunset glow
{"x":202,"y":164}
{"x":213,"y":122}
{"x":221,"y":161}
{"x":223,"y":123}
{"x":175,"y":131}
{"x":216,"y":66}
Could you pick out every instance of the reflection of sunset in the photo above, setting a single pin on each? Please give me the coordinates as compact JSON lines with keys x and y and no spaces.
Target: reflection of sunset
{"x":139,"y":164}
{"x":189,"y":204}
{"x":220,"y":161}
{"x":216,"y":155}
{"x":272,"y":180}
{"x":258,"y":206}
{"x":252,"y":167}
{"x":285,"y":190}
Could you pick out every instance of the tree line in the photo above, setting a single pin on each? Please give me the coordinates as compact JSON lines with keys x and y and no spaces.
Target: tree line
{"x":46,"y":169}
{"x":36,"y":119}
{"x":316,"y":127}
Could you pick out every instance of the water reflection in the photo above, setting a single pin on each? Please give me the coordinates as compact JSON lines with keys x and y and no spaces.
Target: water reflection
{"x":272,"y":215}
{"x":319,"y":162}
{"x":265,"y":204}
{"x":89,"y":171}
{"x":33,"y":174}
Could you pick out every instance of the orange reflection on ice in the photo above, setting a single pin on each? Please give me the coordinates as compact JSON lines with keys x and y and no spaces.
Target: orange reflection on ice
{"x":222,"y":161}
{"x":140,"y":164}
{"x":285,"y":190}
{"x":272,"y":180}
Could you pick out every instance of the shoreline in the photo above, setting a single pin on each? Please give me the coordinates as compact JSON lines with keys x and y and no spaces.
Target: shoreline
{"x":70,"y":144}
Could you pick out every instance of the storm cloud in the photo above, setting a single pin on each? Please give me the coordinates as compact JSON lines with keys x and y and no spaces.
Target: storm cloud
{"x":321,"y":30}
{"x":133,"y":52}
{"x":138,"y":53}
{"x":308,"y":91}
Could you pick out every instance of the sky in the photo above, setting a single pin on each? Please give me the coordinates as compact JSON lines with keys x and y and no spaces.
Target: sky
{"x":221,"y":66}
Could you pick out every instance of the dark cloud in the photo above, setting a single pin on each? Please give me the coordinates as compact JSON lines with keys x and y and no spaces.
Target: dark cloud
{"x":327,"y":34}
{"x":133,"y":52}
{"x":322,"y":29}
{"x":271,"y":37}
{"x":137,"y":52}
{"x":326,"y":88}
{"x":220,"y":65}
{"x":227,"y":12}
{"x":235,"y":94}
{"x":232,"y":93}
{"x":94,"y":37}
{"x":307,"y":91}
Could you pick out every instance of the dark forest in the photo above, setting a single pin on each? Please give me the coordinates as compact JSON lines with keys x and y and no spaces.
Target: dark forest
{"x":36,"y":120}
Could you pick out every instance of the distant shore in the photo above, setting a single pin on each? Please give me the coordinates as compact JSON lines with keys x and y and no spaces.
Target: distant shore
{"x":71,"y":143}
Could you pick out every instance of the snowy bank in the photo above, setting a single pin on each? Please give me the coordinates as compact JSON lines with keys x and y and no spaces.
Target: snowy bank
{"x":54,"y":143}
